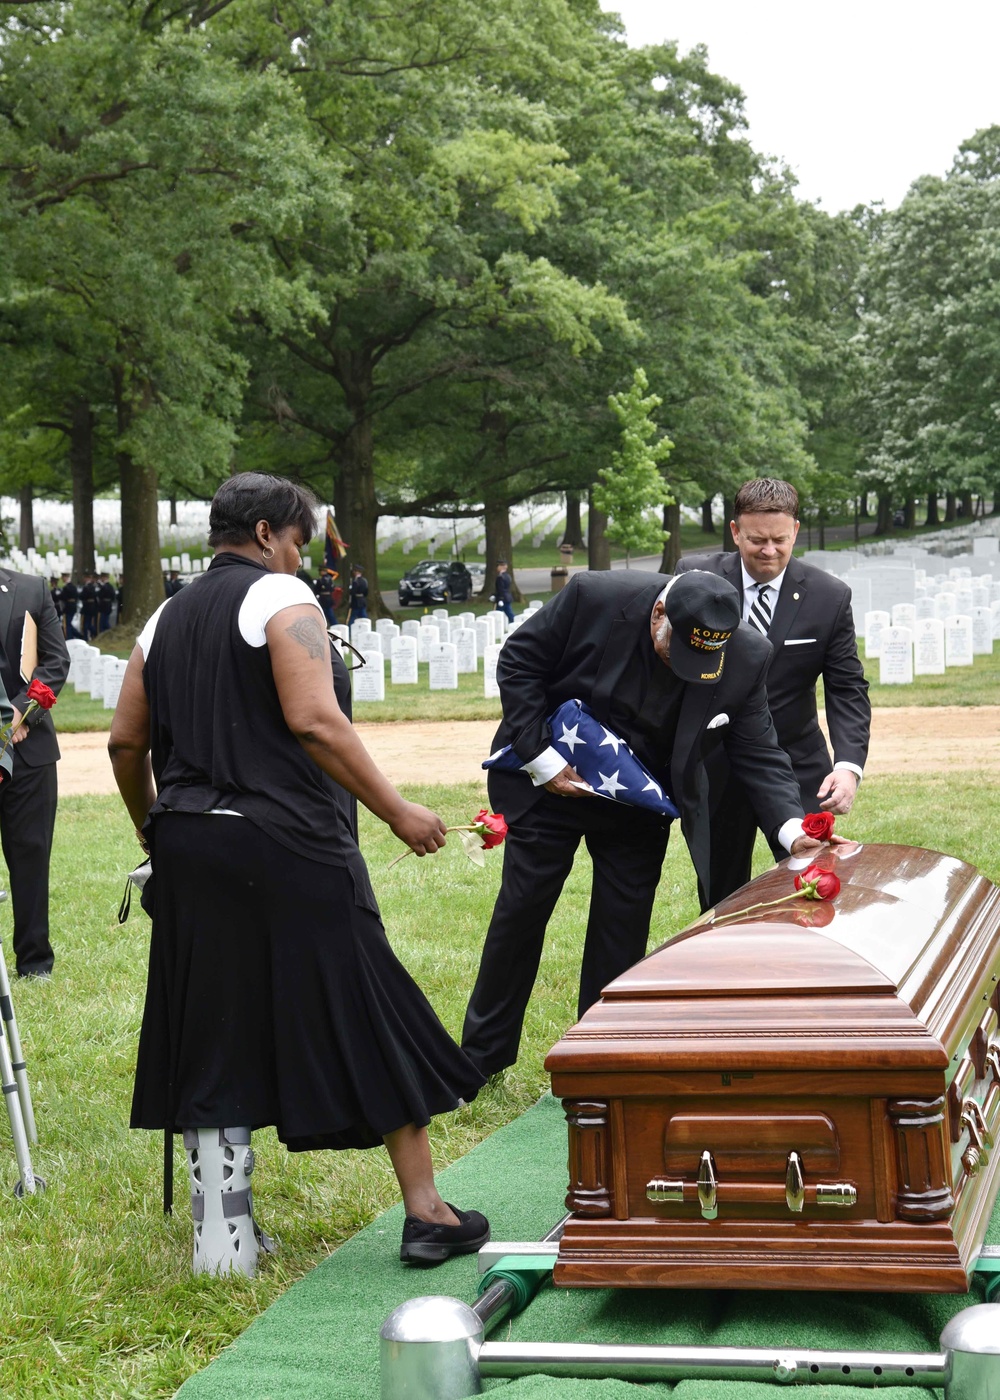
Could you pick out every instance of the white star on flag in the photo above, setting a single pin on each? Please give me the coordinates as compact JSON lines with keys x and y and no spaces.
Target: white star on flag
{"x":612,"y":739}
{"x":610,"y":784}
{"x":651,"y":786}
{"x":571,"y":738}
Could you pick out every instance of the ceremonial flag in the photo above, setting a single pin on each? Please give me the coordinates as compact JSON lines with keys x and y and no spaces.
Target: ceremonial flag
{"x":335,"y":548}
{"x":601,"y":758}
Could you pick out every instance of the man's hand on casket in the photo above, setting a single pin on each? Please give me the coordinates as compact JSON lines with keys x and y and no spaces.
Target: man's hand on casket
{"x":802,"y":845}
{"x":837,"y":790}
{"x":568,"y":783}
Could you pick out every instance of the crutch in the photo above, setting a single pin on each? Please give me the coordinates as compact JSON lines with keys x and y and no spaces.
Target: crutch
{"x":18,"y":1066}
{"x":28,"y":1183}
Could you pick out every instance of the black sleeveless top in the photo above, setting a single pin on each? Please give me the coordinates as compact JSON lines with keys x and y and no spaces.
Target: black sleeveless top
{"x":218,"y":737}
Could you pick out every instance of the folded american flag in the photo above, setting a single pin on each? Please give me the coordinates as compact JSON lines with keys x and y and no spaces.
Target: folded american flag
{"x":601,"y":758}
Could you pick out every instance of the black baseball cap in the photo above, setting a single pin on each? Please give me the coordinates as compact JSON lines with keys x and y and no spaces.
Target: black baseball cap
{"x":704,"y":612}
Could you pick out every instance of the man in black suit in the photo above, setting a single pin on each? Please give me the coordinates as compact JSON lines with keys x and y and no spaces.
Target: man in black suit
{"x":667,"y":666}
{"x":806,"y":616}
{"x":28,"y":800}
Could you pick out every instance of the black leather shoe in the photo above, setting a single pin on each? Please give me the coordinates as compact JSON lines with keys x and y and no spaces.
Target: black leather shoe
{"x":424,"y":1243}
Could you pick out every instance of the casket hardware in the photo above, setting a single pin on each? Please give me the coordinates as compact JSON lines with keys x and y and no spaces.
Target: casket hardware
{"x":660,"y":1190}
{"x":708,"y":1195}
{"x":979,"y":1138}
{"x":836,"y":1193}
{"x":795,"y":1185}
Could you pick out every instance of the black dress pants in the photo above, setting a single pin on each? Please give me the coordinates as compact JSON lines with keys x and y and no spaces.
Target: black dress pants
{"x":627,"y":847}
{"x":27,"y":820}
{"x":734,"y":821}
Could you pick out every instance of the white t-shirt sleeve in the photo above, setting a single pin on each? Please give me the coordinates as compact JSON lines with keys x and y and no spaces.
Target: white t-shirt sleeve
{"x":145,"y":637}
{"x":269,"y":595}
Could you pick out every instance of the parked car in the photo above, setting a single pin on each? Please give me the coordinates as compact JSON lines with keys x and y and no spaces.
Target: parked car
{"x":435,"y":581}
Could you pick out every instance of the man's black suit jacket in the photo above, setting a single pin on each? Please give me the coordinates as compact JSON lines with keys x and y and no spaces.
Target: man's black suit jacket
{"x":583,"y":645}
{"x":812,"y":633}
{"x":20,"y":594}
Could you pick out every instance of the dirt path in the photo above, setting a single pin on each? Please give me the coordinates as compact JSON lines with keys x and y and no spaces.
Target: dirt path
{"x":907,"y":740}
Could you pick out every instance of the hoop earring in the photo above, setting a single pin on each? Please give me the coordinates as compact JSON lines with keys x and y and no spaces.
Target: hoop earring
{"x":267,"y":553}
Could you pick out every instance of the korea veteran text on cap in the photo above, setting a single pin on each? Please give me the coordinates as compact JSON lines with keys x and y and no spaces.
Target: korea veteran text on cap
{"x":704,"y":612}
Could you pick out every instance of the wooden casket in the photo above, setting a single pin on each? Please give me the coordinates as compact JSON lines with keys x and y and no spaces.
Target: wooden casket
{"x":803,"y":1096}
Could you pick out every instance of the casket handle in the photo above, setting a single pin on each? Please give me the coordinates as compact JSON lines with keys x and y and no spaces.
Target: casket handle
{"x":708,"y":1190}
{"x":979,"y":1136}
{"x":795,"y":1183}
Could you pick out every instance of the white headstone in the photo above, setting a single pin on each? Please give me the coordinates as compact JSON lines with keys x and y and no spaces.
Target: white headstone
{"x":388,"y":632}
{"x":924,"y":608}
{"x":986,"y":544}
{"x":982,"y":632}
{"x":427,"y":637}
{"x":368,"y":681}
{"x":875,"y":623}
{"x":944,"y":605}
{"x":904,"y":615}
{"x":485,"y":635}
{"x":465,"y":650}
{"x":410,"y":628}
{"x":535,"y":604}
{"x":341,"y":630}
{"x":96,"y":686}
{"x":370,"y":641}
{"x":404,"y":661}
{"x":465,"y":619}
{"x":359,"y":631}
{"x":76,"y":647}
{"x":439,"y":612}
{"x":928,"y":647}
{"x":443,"y":666}
{"x":500,"y":623}
{"x":981,"y":596}
{"x":995,"y":610}
{"x":385,"y":626}
{"x":896,"y":656}
{"x":446,"y":629}
{"x":958,"y":640}
{"x":490,"y":688}
{"x":113,"y":677}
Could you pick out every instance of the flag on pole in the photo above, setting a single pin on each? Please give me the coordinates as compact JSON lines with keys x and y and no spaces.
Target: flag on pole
{"x":601,"y":758}
{"x":335,"y":548}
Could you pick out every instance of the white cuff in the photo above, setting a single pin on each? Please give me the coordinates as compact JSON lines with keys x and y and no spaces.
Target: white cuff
{"x":544,"y":766}
{"x":790,"y":832}
{"x":851,"y":767}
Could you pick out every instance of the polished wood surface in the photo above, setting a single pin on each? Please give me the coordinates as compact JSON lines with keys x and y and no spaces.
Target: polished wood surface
{"x":801,"y":1096}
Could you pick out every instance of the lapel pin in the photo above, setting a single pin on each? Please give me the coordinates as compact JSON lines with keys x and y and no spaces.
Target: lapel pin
{"x":796,"y":597}
{"x":3,"y":588}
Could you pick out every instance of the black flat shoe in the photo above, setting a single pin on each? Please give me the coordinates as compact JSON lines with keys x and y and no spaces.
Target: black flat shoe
{"x":424,"y":1243}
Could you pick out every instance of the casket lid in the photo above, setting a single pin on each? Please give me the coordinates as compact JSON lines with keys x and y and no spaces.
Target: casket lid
{"x":892,"y":903}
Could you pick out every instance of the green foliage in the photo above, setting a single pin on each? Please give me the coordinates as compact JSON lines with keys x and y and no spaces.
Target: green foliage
{"x":632,"y":486}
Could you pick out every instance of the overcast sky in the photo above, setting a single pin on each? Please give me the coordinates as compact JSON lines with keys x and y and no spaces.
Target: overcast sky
{"x":858,"y":98}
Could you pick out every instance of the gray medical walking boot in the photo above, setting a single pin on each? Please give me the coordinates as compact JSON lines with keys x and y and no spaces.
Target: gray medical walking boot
{"x":226,"y":1237}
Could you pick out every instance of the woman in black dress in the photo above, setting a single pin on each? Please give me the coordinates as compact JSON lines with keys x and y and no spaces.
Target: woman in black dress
{"x":273,"y":996}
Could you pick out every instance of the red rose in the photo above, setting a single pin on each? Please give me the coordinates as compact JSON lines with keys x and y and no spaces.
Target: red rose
{"x":818,"y":825}
{"x":815,"y":883}
{"x":491,"y":827}
{"x":43,"y":697}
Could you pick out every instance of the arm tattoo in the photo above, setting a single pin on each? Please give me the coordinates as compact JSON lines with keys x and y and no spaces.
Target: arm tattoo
{"x":309,"y":633}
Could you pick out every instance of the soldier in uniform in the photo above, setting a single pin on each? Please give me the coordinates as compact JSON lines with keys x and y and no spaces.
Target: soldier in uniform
{"x":88,"y":607}
{"x":105,"y":601}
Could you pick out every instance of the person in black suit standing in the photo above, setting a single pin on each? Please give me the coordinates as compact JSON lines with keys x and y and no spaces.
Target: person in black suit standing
{"x":70,"y":598}
{"x":89,"y":607}
{"x":28,"y":800}
{"x":805,"y":614}
{"x":667,"y":666}
{"x":105,"y":602}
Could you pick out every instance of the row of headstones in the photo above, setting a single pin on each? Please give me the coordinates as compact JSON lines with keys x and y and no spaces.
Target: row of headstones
{"x":94,"y":674}
{"x":928,"y":648}
{"x":981,"y":624}
{"x":416,"y":642}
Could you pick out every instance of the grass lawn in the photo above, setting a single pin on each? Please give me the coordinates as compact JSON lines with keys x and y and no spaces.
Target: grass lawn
{"x":99,"y":1298}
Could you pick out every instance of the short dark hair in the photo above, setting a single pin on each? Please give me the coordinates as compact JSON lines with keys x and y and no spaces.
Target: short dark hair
{"x":766,"y":495}
{"x":244,"y":499}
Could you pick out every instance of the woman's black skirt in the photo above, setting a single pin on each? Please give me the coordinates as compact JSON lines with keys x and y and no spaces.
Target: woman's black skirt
{"x":274,"y":998}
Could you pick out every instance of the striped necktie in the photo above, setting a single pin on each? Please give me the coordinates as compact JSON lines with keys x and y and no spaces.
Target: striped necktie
{"x":760,"y":609}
